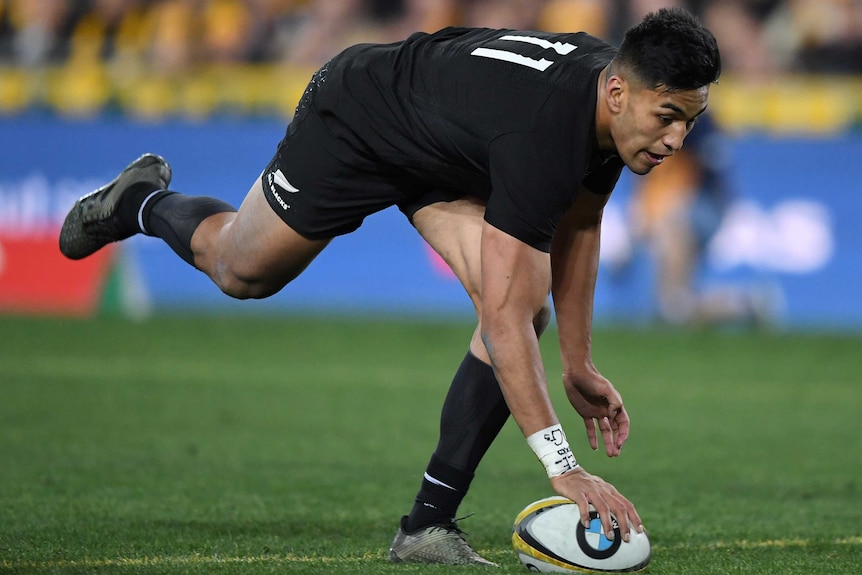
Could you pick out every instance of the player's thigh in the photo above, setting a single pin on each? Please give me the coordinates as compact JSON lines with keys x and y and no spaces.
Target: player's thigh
{"x":259,"y":248}
{"x":454,"y":230}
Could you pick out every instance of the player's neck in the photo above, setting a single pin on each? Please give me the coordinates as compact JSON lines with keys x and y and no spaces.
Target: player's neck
{"x":603,"y":115}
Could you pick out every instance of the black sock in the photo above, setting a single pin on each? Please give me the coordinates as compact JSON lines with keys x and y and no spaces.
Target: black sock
{"x":133,"y":198}
{"x":473,"y":414}
{"x":175,"y":217}
{"x":443,"y":488}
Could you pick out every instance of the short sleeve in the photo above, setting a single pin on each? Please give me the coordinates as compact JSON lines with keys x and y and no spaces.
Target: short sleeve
{"x":532,"y":187}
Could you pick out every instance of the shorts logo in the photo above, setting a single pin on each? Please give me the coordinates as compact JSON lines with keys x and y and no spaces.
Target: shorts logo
{"x":283,"y":183}
{"x":277,"y":178}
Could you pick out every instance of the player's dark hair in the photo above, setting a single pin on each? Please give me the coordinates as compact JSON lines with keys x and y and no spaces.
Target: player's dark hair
{"x":671,"y":48}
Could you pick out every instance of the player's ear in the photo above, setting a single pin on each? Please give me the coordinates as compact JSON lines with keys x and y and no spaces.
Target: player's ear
{"x":616,"y":93}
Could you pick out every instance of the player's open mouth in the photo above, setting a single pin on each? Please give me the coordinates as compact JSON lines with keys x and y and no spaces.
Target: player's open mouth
{"x":654,"y":159}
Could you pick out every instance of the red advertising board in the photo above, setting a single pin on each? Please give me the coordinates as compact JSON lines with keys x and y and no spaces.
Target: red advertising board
{"x":36,"y":278}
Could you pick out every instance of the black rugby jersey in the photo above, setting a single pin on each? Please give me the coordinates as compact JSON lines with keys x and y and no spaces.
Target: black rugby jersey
{"x":505,"y":115}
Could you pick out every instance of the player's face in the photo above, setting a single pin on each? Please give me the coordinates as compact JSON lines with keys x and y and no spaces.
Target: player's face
{"x":652,"y":124}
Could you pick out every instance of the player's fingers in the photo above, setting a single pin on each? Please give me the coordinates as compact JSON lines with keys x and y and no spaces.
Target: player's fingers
{"x":584,"y":510}
{"x":622,"y":517}
{"x":620,"y":510}
{"x":622,"y":426}
{"x":591,"y":432}
{"x":608,"y":437}
{"x":605,"y":513}
{"x":635,"y":518}
{"x":626,"y":515}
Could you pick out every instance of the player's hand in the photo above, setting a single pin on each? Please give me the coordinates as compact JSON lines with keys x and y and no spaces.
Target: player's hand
{"x":598,"y":402}
{"x":584,"y":489}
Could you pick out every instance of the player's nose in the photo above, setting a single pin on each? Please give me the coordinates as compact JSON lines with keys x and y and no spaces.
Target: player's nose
{"x":674,"y":138}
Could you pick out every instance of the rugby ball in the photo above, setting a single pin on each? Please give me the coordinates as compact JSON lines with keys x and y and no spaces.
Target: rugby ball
{"x":549,"y":538}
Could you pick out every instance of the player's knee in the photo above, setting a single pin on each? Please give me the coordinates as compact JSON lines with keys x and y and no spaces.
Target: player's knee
{"x":244,"y":289}
{"x":243,"y":282}
{"x":540,"y":321}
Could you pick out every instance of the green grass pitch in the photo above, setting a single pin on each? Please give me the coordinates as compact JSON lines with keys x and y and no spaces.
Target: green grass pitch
{"x":293,"y":445}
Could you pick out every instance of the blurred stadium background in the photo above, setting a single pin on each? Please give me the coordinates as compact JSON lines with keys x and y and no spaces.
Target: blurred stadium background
{"x":88,"y":85}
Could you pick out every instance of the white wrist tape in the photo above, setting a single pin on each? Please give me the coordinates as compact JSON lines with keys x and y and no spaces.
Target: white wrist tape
{"x":552,"y":449}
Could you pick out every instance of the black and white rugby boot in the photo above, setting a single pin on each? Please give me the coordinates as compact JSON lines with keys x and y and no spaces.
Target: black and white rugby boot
{"x":98,"y":219}
{"x":443,"y":543}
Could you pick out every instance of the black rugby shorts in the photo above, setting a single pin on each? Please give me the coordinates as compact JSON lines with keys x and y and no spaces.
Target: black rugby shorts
{"x":322,"y":187}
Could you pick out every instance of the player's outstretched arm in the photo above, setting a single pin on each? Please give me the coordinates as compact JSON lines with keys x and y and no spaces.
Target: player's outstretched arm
{"x":515,"y":282}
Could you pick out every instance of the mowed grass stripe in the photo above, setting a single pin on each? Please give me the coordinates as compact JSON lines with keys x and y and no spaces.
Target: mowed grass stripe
{"x":177,"y":561}
{"x":294,"y":559}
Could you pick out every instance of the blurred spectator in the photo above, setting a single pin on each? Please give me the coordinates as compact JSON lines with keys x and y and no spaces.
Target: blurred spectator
{"x":738,"y":28}
{"x":818,"y":35}
{"x":516,"y":14}
{"x":591,"y":16}
{"x":318,"y":30}
{"x":172,"y":35}
{"x":675,"y":212}
{"x":677,"y":208}
{"x":398,"y":19}
{"x":37,"y":29}
{"x":228,"y":30}
{"x":111,"y":30}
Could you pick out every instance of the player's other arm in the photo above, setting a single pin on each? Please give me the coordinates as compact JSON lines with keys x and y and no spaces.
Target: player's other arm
{"x":575,"y":261}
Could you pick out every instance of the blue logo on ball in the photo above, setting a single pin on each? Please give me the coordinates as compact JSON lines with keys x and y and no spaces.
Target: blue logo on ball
{"x":594,"y":543}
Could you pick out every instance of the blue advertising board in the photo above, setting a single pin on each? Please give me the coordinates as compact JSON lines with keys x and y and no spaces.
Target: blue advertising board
{"x":792,"y":225}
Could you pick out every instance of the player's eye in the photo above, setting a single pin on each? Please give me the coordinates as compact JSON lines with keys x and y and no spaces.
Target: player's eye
{"x":666,"y":120}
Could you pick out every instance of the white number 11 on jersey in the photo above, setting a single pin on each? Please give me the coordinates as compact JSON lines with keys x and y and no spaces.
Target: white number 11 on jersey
{"x":560,"y":48}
